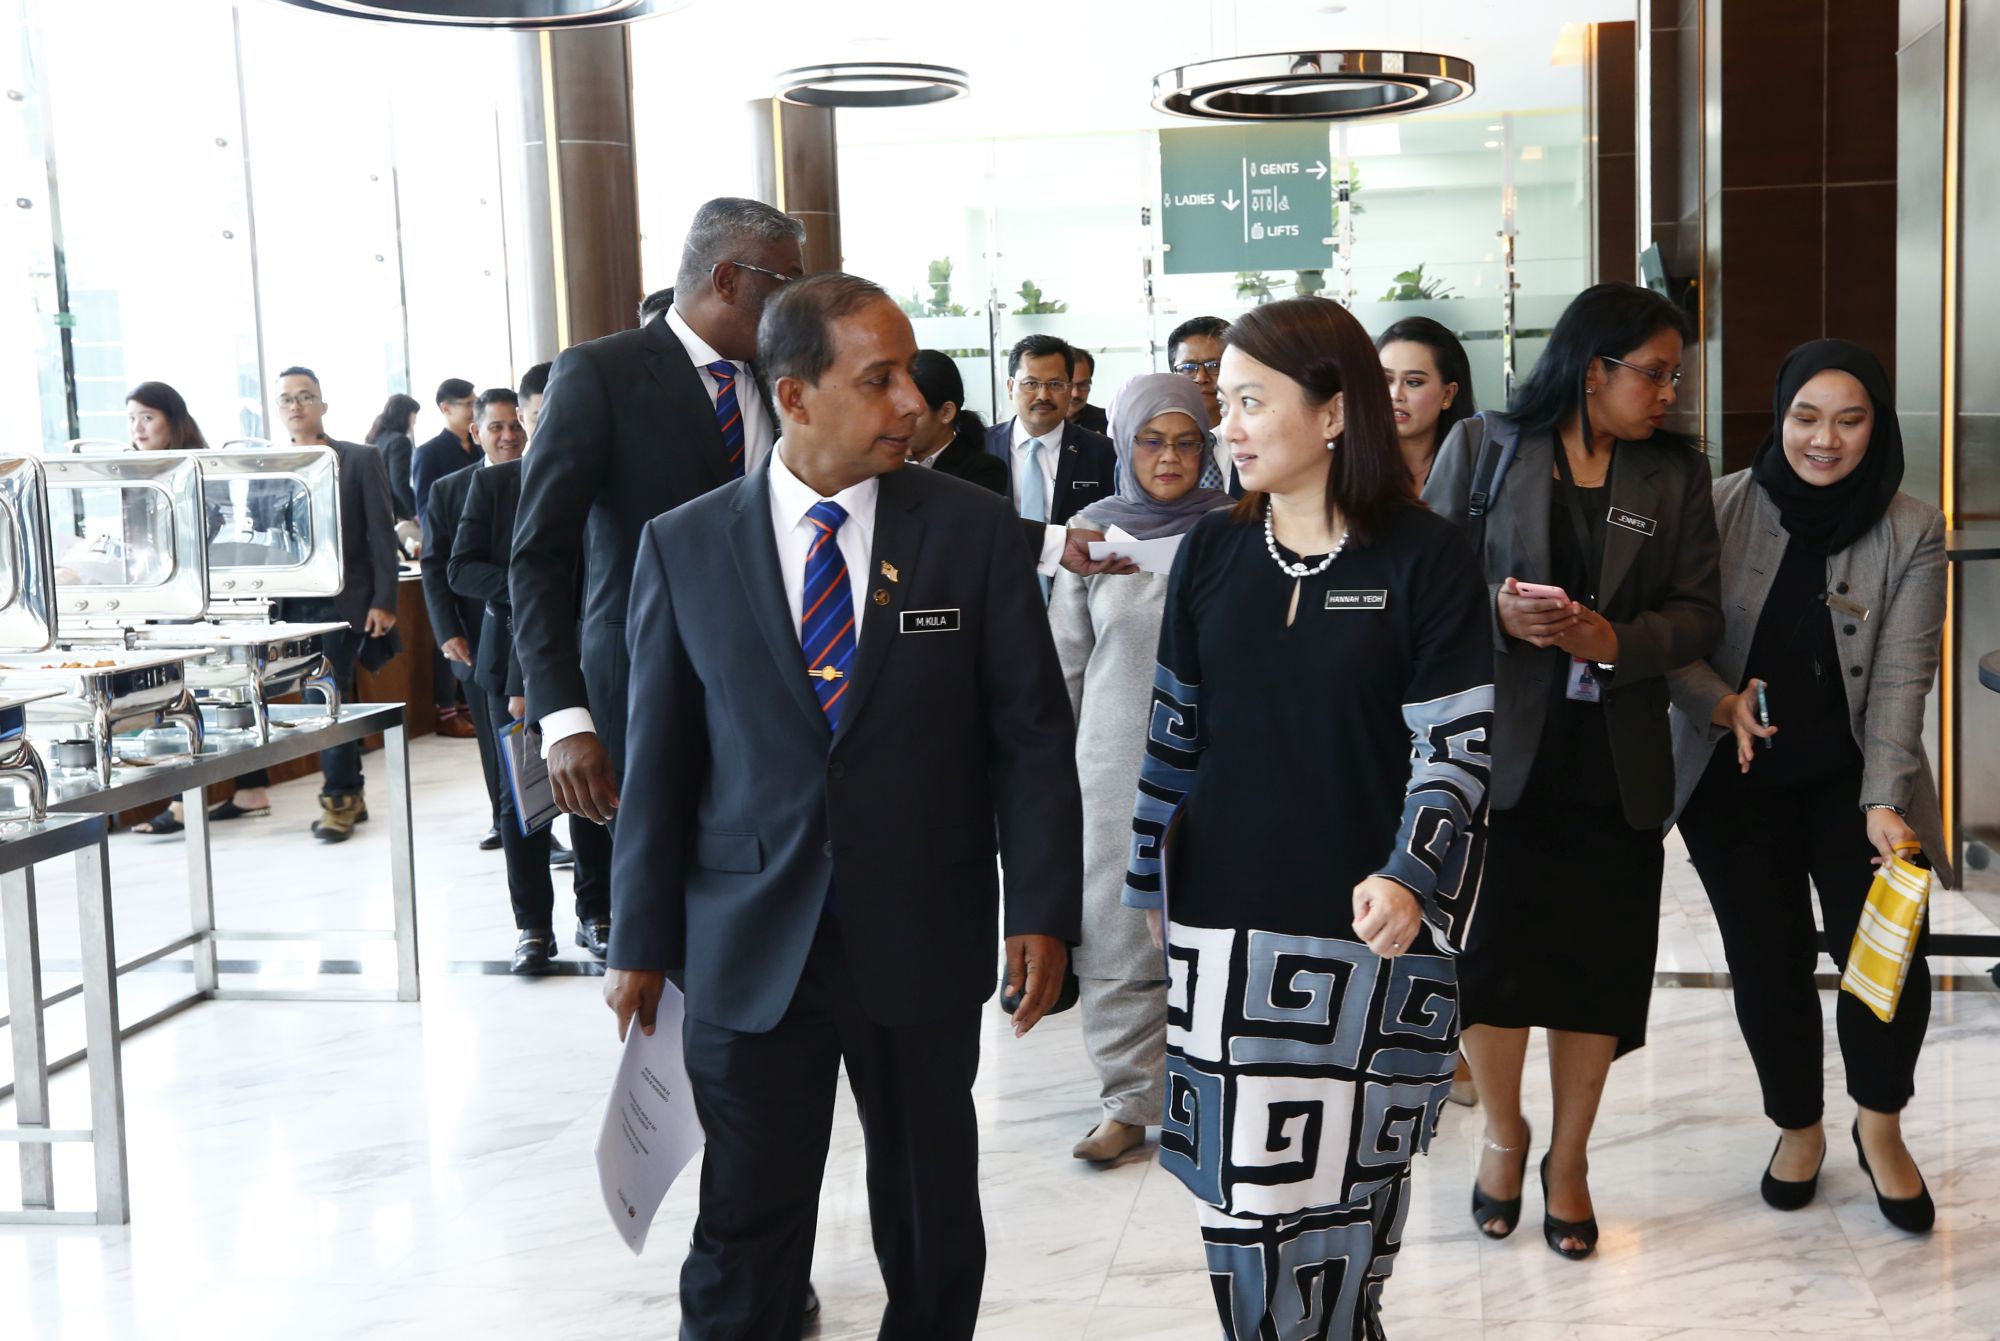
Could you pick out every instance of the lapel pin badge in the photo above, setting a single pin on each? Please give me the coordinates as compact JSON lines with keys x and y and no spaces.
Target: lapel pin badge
{"x":889,"y":571}
{"x":881,"y":596}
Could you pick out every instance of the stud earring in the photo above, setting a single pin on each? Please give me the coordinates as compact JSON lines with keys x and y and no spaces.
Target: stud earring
{"x":1330,"y":446}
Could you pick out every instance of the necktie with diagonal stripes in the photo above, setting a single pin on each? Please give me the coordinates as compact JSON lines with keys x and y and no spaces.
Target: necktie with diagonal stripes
{"x":728,"y":413}
{"x":826,"y":612}
{"x":1211,"y":473}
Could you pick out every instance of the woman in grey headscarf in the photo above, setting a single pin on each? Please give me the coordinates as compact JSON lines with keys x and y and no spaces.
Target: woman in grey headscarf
{"x":1107,"y":630}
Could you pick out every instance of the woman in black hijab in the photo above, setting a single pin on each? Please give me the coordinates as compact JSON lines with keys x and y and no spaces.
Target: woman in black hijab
{"x":1799,"y":755}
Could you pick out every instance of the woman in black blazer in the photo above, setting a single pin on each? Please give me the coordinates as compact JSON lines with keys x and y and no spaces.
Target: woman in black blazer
{"x":949,"y":438}
{"x":390,"y":435}
{"x":1577,"y":488}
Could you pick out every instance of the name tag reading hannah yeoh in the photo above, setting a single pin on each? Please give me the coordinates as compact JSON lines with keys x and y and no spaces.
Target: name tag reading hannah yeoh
{"x":930,"y":621}
{"x":1358,"y":600}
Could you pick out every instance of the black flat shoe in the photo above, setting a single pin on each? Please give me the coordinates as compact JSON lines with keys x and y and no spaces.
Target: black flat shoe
{"x":491,"y":841}
{"x":533,"y":952}
{"x":812,"y":1305}
{"x":1914,"y":1215}
{"x":595,"y":936}
{"x":1555,"y":1231}
{"x":1784,"y":1194}
{"x":1485,"y":1208}
{"x":559,"y":855}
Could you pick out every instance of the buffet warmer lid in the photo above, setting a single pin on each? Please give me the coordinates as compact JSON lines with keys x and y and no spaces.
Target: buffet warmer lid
{"x":273,"y":522}
{"x":128,"y":536}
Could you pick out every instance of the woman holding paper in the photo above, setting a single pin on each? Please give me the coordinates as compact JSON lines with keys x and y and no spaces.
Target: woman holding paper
{"x":1799,"y":753}
{"x":1107,"y":631}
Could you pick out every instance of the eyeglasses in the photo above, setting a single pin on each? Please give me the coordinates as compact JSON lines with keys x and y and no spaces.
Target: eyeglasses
{"x":1187,"y":446}
{"x":302,"y":399}
{"x":1032,"y":385}
{"x":1657,"y":376}
{"x":1191,"y":369}
{"x":781,"y":277}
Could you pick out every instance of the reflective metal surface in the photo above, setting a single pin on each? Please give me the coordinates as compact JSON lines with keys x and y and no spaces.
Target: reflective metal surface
{"x":27,"y":595}
{"x":524,"y":14}
{"x":121,"y":537}
{"x":272,"y":519}
{"x":105,"y":691}
{"x":1313,"y":85}
{"x":249,"y":663}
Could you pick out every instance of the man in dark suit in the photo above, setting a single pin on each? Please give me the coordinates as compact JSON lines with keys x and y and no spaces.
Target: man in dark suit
{"x":452,"y":449}
{"x":367,"y":599}
{"x":633,"y":425}
{"x":480,"y":555}
{"x":1054,"y":468}
{"x":809,"y":644}
{"x":455,"y":619}
{"x":962,"y":459}
{"x":1081,"y":412}
{"x":1194,"y":351}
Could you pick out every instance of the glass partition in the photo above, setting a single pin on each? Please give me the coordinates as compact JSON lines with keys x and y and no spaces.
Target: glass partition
{"x":258,"y":521}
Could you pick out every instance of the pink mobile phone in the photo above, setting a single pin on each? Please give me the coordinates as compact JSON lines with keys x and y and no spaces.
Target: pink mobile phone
{"x":1537,"y":591}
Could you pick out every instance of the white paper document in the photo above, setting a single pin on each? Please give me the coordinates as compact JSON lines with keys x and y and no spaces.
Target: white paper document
{"x":650,"y":1128}
{"x":1152,"y":556}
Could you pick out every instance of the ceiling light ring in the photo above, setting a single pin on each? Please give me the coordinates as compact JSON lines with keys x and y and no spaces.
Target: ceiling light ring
{"x":1314,"y":85}
{"x":833,"y":84}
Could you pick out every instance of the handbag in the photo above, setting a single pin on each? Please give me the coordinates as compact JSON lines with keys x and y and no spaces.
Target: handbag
{"x":1885,"y":940}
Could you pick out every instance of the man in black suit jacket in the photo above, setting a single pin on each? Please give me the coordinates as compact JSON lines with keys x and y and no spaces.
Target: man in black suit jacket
{"x":764,"y":854}
{"x":1064,"y":468}
{"x":367,"y":599}
{"x":630,"y":429}
{"x":1081,"y":412}
{"x":455,"y":619}
{"x":480,"y":555}
{"x":965,"y":458}
{"x":453,"y":449}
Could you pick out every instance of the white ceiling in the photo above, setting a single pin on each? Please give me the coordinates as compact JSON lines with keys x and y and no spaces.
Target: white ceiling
{"x":1087,"y":65}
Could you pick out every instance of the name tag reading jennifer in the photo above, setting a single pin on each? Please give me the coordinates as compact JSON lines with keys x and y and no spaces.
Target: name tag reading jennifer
{"x":1358,"y":600}
{"x":1631,"y":521}
{"x":930,"y":621}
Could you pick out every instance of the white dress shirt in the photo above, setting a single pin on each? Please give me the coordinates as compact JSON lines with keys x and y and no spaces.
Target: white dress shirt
{"x":791,"y":499}
{"x":1050,"y":558}
{"x":758,"y":436}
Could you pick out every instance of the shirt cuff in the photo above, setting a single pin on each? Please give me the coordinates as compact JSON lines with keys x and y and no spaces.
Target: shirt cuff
{"x":1140,"y":898}
{"x":1053,"y":540}
{"x":564,"y":723}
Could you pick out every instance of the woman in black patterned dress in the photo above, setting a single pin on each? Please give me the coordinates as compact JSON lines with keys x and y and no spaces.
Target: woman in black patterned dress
{"x":1317,"y":747}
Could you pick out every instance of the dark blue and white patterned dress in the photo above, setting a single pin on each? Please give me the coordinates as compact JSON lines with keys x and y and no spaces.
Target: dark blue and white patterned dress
{"x":1304,"y":1072}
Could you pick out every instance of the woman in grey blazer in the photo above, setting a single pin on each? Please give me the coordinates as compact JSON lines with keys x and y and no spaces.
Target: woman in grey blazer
{"x":1107,"y":632}
{"x":1594,"y":499}
{"x":1799,"y":753}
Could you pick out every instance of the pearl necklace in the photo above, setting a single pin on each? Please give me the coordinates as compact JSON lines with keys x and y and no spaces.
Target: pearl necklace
{"x":1299,"y":569}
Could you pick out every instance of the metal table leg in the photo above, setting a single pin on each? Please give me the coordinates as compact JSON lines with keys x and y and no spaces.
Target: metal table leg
{"x":201,"y":887}
{"x":402,"y":861}
{"x":31,"y":1053}
{"x":100,"y":1023}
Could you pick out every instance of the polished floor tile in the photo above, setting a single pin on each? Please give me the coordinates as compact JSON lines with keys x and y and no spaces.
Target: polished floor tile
{"x":374,"y":1170}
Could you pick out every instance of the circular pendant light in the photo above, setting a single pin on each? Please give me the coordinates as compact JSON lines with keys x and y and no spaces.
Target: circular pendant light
{"x":522,"y":14}
{"x":1313,"y":85}
{"x":873,"y":84}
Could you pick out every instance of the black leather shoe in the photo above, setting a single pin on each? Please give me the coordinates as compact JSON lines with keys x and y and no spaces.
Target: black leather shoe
{"x":1784,"y":1194}
{"x":595,"y":936}
{"x":533,"y":951}
{"x":558,"y":854}
{"x":491,"y":842}
{"x":1913,"y":1215}
{"x":1555,"y":1230}
{"x":812,"y":1304}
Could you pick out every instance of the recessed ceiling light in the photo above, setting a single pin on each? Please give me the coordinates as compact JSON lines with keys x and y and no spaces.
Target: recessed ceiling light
{"x":1496,"y":128}
{"x":1492,"y":144}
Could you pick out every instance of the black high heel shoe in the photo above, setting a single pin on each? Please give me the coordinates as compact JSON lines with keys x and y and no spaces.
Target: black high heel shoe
{"x":1485,"y":1208}
{"x":1913,"y":1215}
{"x":1555,"y":1231}
{"x":1784,"y":1194}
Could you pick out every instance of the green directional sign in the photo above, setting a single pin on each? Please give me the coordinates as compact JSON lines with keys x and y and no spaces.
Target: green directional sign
{"x":1255,"y":197}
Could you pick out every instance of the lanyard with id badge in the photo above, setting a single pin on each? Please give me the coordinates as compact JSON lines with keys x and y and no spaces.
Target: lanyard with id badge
{"x":1584,"y":683}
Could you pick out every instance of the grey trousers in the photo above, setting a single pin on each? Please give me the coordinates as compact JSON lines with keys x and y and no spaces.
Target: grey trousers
{"x":1125,"y":1033}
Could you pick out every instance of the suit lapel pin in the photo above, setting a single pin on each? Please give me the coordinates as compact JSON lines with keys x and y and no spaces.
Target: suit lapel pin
{"x":881,"y":596}
{"x":889,"y":571}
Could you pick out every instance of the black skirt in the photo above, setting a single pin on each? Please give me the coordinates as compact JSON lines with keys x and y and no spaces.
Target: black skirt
{"x":1568,"y":925}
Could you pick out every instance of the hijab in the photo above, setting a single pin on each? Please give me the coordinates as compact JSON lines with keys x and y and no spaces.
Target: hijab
{"x":1827,"y":518}
{"x":1132,"y":509}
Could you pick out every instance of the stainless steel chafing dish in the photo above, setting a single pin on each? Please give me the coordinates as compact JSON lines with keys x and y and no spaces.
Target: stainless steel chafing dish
{"x":20,"y":765}
{"x":272,"y":517}
{"x":93,"y":539}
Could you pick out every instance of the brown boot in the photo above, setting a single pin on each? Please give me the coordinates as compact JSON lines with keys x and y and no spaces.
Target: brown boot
{"x":337,"y":818}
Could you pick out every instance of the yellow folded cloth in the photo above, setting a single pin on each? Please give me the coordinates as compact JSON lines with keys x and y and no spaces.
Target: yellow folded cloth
{"x":1885,"y":941}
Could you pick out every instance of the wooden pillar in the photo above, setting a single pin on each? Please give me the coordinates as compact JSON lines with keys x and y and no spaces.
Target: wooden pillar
{"x":579,"y":260}
{"x":1613,"y":102}
{"x":798,"y":171}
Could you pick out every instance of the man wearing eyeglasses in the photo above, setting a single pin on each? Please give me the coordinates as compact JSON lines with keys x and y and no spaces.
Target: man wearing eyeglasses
{"x":633,"y":425}
{"x":1194,"y":351}
{"x":1054,"y":468}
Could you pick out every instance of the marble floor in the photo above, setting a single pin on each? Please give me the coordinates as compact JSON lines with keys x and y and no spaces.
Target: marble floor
{"x":366,"y":1170}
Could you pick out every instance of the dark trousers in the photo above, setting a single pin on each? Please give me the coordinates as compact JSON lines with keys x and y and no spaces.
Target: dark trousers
{"x":592,"y":873}
{"x":766,"y":1102}
{"x":487,"y":722}
{"x":1756,"y":850}
{"x":340,"y":765}
{"x":530,"y":887}
{"x":444,"y":685}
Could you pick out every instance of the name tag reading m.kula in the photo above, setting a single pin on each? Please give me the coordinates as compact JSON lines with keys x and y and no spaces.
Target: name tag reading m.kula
{"x":930,"y":621}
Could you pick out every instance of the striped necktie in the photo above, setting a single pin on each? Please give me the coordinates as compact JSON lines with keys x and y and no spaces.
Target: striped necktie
{"x":1211,"y":473}
{"x":728,"y":413}
{"x":826,"y":618}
